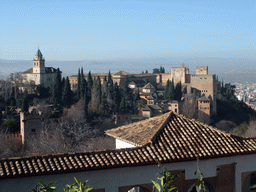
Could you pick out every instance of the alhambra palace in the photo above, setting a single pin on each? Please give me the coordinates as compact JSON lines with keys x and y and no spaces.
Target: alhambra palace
{"x":164,"y":135}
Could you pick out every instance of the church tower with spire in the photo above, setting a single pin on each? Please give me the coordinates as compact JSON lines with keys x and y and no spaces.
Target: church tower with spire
{"x":39,"y":74}
{"x":38,"y":63}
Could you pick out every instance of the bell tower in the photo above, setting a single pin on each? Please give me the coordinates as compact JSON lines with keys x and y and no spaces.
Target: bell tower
{"x":38,"y":63}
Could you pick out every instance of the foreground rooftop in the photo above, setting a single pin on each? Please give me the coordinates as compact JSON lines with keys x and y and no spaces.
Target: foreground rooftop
{"x":166,"y":138}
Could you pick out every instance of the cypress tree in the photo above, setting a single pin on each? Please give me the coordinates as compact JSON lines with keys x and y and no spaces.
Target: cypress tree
{"x":110,"y":80}
{"x":90,"y":84}
{"x":78,"y":84}
{"x":63,"y":81}
{"x":128,"y":95}
{"x":95,"y":98}
{"x":167,"y":90}
{"x":105,"y":86}
{"x":104,"y":105}
{"x":123,"y":104}
{"x":57,"y":91}
{"x":24,"y":104}
{"x":185,"y":90}
{"x":172,"y":90}
{"x":86,"y":100}
{"x":67,"y":93}
{"x":117,"y":97}
{"x":110,"y":85}
{"x":178,"y":91}
{"x":100,"y":91}
{"x":82,"y":85}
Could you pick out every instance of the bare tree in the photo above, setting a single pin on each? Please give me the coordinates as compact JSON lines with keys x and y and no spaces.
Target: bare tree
{"x":76,"y":112}
{"x":245,"y":129}
{"x":6,"y":89}
{"x":16,"y":79}
{"x":61,"y":137}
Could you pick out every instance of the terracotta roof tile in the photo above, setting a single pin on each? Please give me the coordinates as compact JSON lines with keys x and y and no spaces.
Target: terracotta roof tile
{"x":29,"y":70}
{"x":139,"y":133}
{"x":121,"y":73}
{"x":166,"y":138}
{"x":148,"y":86}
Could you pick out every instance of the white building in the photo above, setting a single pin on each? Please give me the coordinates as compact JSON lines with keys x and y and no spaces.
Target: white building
{"x":39,"y":74}
{"x":227,"y":161}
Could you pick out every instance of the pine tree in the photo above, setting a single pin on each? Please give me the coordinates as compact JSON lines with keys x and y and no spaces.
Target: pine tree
{"x":162,"y":70}
{"x":78,"y":90}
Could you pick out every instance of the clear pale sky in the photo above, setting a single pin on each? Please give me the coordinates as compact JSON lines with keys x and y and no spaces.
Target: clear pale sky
{"x":102,"y":30}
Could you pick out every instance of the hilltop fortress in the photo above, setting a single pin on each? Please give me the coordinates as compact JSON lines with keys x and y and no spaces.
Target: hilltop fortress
{"x":204,"y":83}
{"x":201,"y":83}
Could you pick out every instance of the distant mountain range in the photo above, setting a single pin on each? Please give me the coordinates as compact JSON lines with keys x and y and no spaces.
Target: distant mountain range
{"x":229,"y":69}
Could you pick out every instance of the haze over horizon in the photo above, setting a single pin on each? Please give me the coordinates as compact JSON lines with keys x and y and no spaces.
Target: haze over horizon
{"x":129,"y":35}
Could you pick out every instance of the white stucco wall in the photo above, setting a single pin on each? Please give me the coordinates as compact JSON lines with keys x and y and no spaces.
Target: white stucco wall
{"x":121,"y":144}
{"x":111,"y":179}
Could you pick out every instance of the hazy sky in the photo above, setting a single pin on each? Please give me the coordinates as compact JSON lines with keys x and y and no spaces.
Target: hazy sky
{"x":102,"y":30}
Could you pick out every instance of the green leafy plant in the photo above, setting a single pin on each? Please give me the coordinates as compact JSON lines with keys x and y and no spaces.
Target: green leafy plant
{"x":201,"y":185}
{"x":73,"y":187}
{"x":78,"y":187}
{"x":44,"y":187}
{"x":166,"y":181}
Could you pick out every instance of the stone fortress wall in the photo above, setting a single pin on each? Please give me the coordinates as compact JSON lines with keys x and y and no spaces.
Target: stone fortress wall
{"x":205,"y":83}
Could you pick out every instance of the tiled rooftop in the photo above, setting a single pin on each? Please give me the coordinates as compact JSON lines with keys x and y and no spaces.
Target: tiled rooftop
{"x":29,"y":71}
{"x":148,"y":86}
{"x":167,"y":138}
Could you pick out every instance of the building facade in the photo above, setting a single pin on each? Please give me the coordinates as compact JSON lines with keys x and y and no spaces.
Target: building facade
{"x":227,"y":161}
{"x":39,"y":74}
{"x":138,"y":79}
